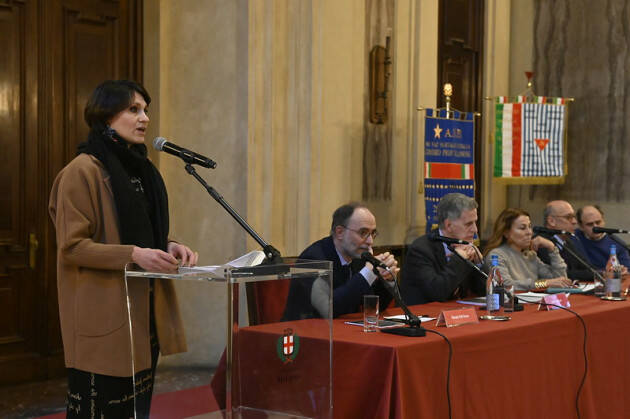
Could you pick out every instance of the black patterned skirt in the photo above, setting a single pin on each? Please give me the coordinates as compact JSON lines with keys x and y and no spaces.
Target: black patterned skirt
{"x":98,"y":396}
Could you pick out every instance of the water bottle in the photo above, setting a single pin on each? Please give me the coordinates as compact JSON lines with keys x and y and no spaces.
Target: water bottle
{"x":613,"y":274}
{"x":493,"y":284}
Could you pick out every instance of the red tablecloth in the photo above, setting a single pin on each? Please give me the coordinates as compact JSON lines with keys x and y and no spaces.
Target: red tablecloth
{"x":528,"y":367}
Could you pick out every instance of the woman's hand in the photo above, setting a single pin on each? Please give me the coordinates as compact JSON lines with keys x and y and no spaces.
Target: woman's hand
{"x":560,"y":282}
{"x":154,"y":260}
{"x":183,"y":253}
{"x":538,"y":242}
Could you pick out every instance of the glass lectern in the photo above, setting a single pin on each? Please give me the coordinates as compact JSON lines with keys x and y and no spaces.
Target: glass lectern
{"x":274,"y":368}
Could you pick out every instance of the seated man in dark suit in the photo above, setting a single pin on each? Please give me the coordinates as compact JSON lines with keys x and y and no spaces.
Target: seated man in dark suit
{"x":352,"y":232}
{"x":559,"y":215}
{"x":431,"y":271}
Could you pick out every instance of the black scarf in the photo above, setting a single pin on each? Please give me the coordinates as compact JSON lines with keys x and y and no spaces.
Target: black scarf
{"x":142,"y":218}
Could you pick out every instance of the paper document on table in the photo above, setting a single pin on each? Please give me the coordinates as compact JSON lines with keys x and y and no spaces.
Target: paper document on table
{"x":402,"y":318}
{"x":587,"y":287}
{"x":252,"y":258}
{"x":382,"y":324}
{"x":530,"y":297}
{"x":475,"y":301}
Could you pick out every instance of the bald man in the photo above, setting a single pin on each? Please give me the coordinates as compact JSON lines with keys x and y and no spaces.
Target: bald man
{"x":559,"y":215}
{"x":597,"y":245}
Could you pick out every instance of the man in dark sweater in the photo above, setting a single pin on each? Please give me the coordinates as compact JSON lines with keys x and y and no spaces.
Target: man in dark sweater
{"x":597,"y":245}
{"x":559,"y":215}
{"x":352,"y":232}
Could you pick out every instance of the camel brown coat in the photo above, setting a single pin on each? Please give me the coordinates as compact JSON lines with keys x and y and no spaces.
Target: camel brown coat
{"x":90,"y":280}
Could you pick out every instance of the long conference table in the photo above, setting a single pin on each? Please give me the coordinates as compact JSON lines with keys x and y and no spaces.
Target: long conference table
{"x":529,"y":367}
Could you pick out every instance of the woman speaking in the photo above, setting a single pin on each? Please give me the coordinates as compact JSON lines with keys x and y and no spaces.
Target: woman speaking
{"x":109,"y":207}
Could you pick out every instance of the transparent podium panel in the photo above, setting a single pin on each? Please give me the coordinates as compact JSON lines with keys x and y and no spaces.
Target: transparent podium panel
{"x":238,"y":342}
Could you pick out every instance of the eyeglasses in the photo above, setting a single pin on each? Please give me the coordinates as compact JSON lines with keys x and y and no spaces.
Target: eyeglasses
{"x":364,"y":232}
{"x":567,"y":217}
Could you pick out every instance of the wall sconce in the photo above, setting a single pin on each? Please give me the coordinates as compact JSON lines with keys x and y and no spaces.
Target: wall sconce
{"x":380,"y":62}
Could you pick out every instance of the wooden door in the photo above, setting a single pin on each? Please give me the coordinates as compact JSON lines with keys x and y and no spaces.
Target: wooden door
{"x":21,"y":304}
{"x":460,"y":55}
{"x":52,"y":55}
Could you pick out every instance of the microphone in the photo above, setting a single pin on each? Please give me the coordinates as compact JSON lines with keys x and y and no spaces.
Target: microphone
{"x":550,"y":231}
{"x":609,"y":230}
{"x":448,"y":240}
{"x":190,"y":157}
{"x":368,"y":257}
{"x":415,"y":329}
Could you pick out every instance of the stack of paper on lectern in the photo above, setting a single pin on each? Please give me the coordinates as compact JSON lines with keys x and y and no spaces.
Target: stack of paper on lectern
{"x":252,"y":258}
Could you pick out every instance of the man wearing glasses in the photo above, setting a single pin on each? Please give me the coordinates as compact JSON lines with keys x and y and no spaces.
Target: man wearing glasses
{"x":352,"y":232}
{"x":559,"y":215}
{"x":432,"y":272}
{"x":597,"y":245}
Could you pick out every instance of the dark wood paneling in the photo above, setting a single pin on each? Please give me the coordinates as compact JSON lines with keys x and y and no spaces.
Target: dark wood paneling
{"x":20,"y":174}
{"x":53,"y":54}
{"x":461,"y":29}
{"x":90,"y":55}
{"x":461,"y":23}
{"x":12,"y":21}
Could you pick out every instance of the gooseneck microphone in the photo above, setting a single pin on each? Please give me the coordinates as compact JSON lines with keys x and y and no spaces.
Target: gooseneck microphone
{"x":415,"y":329}
{"x":549,"y":231}
{"x":610,"y":230}
{"x":368,"y":257}
{"x":190,"y":157}
{"x":448,"y":240}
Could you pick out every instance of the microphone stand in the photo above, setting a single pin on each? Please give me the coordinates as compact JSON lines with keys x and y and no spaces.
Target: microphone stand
{"x":584,"y":263}
{"x":272,"y":255}
{"x":517,"y":306}
{"x":468,"y":262}
{"x":619,"y":241}
{"x":415,"y":329}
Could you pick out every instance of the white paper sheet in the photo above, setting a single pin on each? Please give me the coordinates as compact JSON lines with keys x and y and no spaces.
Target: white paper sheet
{"x":252,"y":258}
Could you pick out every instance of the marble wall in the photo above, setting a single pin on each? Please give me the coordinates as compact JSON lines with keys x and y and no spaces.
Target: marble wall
{"x":196,"y":69}
{"x":275,"y":92}
{"x":580,"y":49}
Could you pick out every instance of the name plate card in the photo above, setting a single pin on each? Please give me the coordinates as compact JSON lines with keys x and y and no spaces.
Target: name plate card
{"x":457,"y":317}
{"x":560,"y":299}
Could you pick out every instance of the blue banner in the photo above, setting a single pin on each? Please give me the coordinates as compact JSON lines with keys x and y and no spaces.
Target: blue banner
{"x":435,"y":189}
{"x":448,"y":140}
{"x":448,"y":159}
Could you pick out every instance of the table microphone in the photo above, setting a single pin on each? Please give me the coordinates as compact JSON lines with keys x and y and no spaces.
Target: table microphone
{"x":549,"y":231}
{"x":448,"y":240}
{"x":610,"y":230}
{"x":368,"y":257}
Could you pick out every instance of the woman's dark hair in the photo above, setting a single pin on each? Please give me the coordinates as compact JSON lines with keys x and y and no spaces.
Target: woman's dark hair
{"x":501,"y":225}
{"x":109,"y":98}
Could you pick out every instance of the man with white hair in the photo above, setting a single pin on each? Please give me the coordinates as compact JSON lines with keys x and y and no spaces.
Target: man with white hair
{"x":432,"y":272}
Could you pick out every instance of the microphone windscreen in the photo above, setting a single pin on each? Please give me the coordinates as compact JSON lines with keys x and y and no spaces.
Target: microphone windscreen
{"x":158,"y":143}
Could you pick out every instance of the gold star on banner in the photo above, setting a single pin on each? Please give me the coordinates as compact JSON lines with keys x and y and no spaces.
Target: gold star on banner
{"x":437,"y":131}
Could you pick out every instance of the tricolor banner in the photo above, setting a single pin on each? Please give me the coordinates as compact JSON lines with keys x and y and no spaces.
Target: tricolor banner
{"x":448,"y":158}
{"x":529,"y":140}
